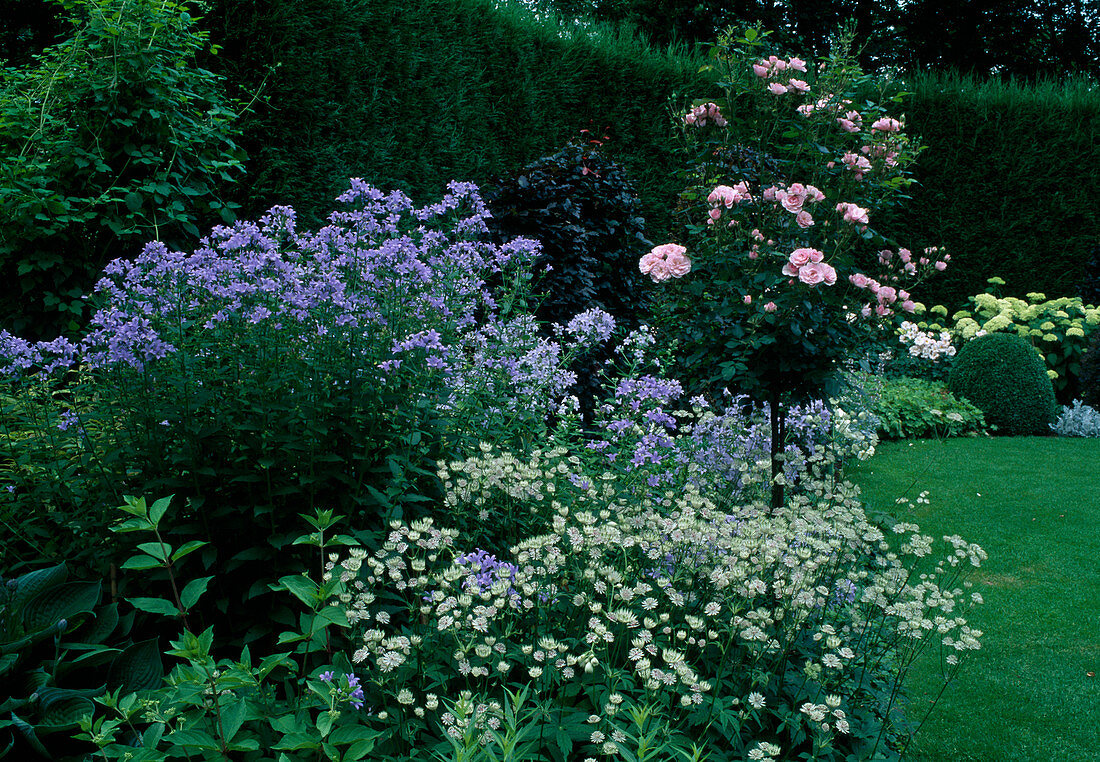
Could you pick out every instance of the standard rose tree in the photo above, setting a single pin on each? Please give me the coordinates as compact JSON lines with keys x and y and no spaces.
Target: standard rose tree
{"x":774,"y":300}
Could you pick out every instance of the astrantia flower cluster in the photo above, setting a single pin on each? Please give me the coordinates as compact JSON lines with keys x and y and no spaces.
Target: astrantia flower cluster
{"x":676,"y":600}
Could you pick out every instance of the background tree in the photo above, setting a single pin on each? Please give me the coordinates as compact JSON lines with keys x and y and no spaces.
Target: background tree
{"x":108,"y":139}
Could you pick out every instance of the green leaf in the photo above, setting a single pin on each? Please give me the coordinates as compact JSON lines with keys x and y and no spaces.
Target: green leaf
{"x":233,"y":717}
{"x":192,"y":739}
{"x":140,"y":563}
{"x":158,"y":550}
{"x":133,"y":201}
{"x":154,"y":606}
{"x":193,"y":591}
{"x":34,"y":582}
{"x":188,"y":547}
{"x":158,"y":509}
{"x":303,"y":588}
{"x":137,"y":668}
{"x":66,"y":601}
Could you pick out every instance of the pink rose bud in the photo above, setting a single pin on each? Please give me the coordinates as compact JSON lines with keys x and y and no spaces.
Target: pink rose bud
{"x":830,"y":164}
{"x":746,"y":299}
{"x":769,"y":307}
{"x":923,"y":261}
{"x":866,"y":311}
{"x":714,"y":214}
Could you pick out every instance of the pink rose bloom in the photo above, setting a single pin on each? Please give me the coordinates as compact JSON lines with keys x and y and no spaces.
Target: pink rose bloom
{"x":940,"y":265}
{"x":909,"y":305}
{"x":714,"y":214}
{"x":813,"y":194}
{"x":769,"y":307}
{"x":910,"y":268}
{"x":854,"y":116}
{"x":866,"y":311}
{"x":847,"y":125}
{"x":769,"y":193}
{"x":746,"y":299}
{"x":802,"y":257}
{"x":903,"y":294}
{"x":885,"y":255}
{"x":859,"y":280}
{"x":886,"y":124}
{"x":777,"y":63}
{"x":776,"y":88}
{"x":722,"y":194}
{"x":799,"y":86}
{"x":648,"y":261}
{"x":678,"y":264}
{"x":761,"y":70}
{"x":757,"y":235}
{"x":804,"y":219}
{"x":905,"y":255}
{"x":790,"y":270}
{"x":806,"y":109}
{"x":797,"y":64}
{"x":790,"y":201}
{"x":852,"y":213}
{"x":689,"y":118}
{"x":754,"y":252}
{"x":881,"y":310}
{"x":665,"y":261}
{"x":812,"y":274}
{"x":830,"y":274}
{"x":923,"y":261}
{"x":886,"y":294}
{"x":830,"y":164}
{"x":741,"y":192}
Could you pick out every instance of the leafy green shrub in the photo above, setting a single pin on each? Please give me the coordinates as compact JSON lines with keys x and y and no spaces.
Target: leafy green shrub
{"x":211,"y":708}
{"x":911,"y":408}
{"x":55,"y":659}
{"x":1059,"y":328}
{"x":1003,"y":376}
{"x":109,"y":138}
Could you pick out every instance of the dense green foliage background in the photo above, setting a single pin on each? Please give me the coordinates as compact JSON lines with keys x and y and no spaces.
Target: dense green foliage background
{"x":411,"y":97}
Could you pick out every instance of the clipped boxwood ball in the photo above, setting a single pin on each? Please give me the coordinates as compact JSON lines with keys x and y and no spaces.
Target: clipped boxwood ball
{"x":1005,"y":377}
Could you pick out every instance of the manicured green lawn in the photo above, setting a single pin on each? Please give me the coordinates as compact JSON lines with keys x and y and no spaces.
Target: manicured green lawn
{"x":1033,"y":503}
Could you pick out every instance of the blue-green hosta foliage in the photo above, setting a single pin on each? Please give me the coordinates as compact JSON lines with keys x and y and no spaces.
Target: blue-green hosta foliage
{"x":107,"y":139}
{"x":59,"y":645}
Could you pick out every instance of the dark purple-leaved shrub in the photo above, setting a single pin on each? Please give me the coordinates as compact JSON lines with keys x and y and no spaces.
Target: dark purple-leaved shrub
{"x":584,"y":210}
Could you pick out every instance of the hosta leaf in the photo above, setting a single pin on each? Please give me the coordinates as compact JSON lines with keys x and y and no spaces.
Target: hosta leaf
{"x":65,"y":713}
{"x":35,"y":582}
{"x":66,"y":601}
{"x":137,"y":668}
